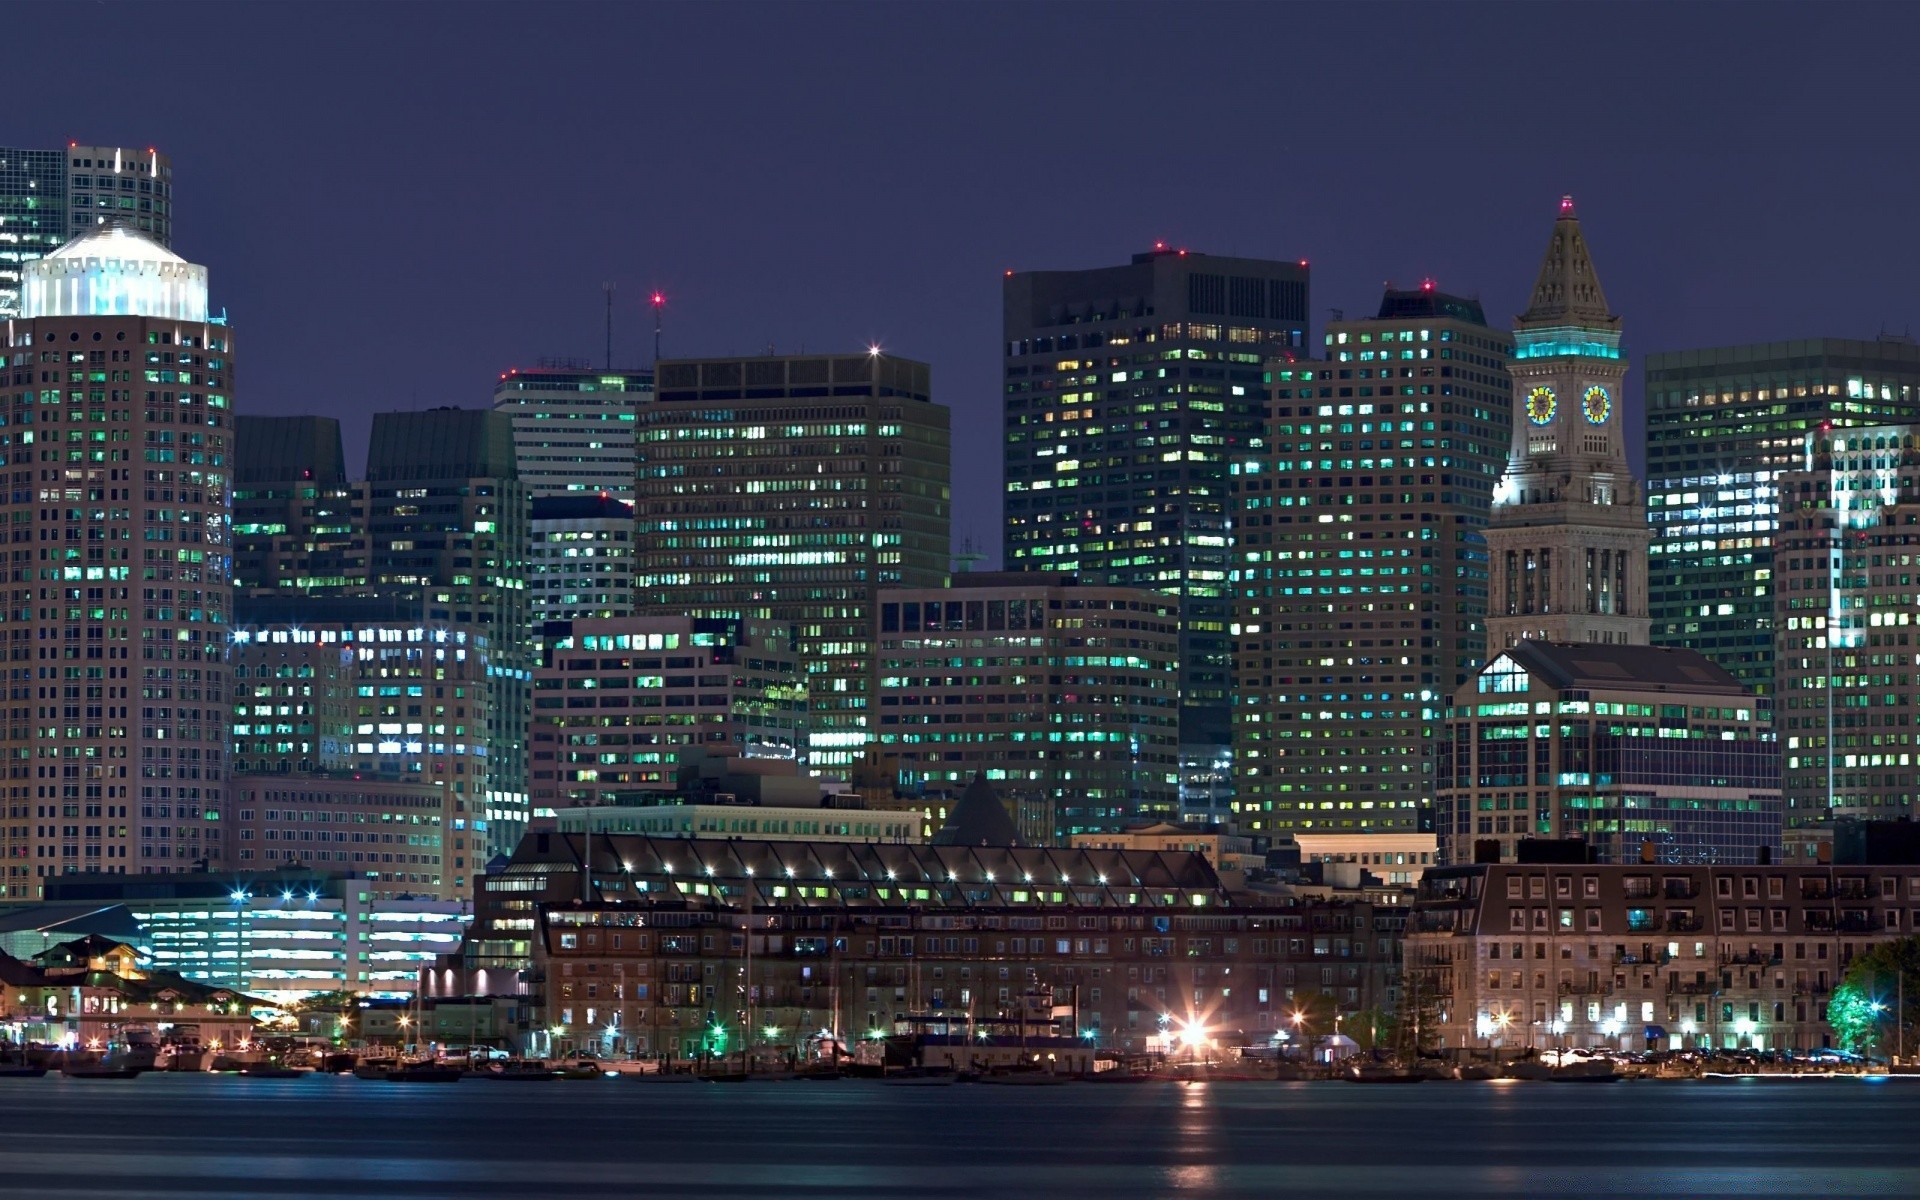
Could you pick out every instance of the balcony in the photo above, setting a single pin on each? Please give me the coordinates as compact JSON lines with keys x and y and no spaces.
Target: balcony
{"x":1857,"y":922}
{"x":1816,"y":889}
{"x":1684,"y":922}
{"x":1692,"y":987}
{"x":1680,"y":889}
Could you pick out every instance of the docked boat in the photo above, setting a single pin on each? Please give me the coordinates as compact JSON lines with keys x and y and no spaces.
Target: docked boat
{"x":1381,"y":1073}
{"x":1526,"y":1069}
{"x":99,"y":1070}
{"x":519,"y":1071}
{"x":919,"y":1077}
{"x":272,"y":1070}
{"x":1598,"y":1070}
{"x":1023,"y":1078}
{"x":425,"y":1072}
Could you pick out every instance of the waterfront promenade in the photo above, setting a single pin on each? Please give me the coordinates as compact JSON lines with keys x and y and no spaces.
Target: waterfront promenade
{"x":224,"y":1138}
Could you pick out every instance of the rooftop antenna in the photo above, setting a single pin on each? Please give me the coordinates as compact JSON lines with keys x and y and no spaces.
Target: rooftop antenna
{"x":609,"y":289}
{"x":963,"y":562}
{"x":659,"y":301}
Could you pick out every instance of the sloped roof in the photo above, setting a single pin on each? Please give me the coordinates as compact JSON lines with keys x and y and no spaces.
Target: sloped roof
{"x":1596,"y":665}
{"x":1567,"y":290}
{"x":980,"y":819}
{"x":115,"y":241}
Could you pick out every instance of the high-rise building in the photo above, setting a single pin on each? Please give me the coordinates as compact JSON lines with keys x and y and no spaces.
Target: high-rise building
{"x":792,"y":489}
{"x":299,"y":525}
{"x":50,"y":196}
{"x":580,"y":558}
{"x":1846,"y":561}
{"x":573,"y":427}
{"x":1567,"y":543}
{"x":372,"y":688}
{"x":121,"y":573}
{"x":447,"y":527}
{"x":1129,"y":390}
{"x":398,"y":838}
{"x":1650,"y":746}
{"x":617,"y":703}
{"x":1065,"y":695}
{"x":1722,"y":424}
{"x":1360,"y":565}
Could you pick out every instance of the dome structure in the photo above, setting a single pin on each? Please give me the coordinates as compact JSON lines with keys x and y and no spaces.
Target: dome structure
{"x":112,"y":271}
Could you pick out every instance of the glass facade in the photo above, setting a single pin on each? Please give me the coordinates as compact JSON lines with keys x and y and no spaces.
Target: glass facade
{"x":1360,"y":566}
{"x":1129,"y":391}
{"x":1722,"y":425}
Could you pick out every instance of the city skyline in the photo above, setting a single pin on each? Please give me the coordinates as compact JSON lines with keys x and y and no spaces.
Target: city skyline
{"x":1668,"y":174}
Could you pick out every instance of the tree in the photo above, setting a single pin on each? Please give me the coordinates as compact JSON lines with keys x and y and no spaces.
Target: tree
{"x":1866,"y":1010}
{"x":1312,"y":1016}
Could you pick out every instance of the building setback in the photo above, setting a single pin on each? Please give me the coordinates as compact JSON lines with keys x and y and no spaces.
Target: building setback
{"x":792,"y":489}
{"x":117,"y":457}
{"x":1129,"y":390}
{"x":1722,"y":424}
{"x":1065,"y":695}
{"x":573,"y":427}
{"x":1360,"y":565}
{"x":50,"y":196}
{"x":1845,"y":560}
{"x":618,"y":702}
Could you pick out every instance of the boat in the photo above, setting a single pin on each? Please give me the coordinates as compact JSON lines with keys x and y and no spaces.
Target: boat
{"x":425,"y":1072}
{"x":1526,"y":1069}
{"x":919,"y":1077}
{"x":1475,"y":1071}
{"x":99,"y":1070}
{"x":518,"y":1070}
{"x":725,"y":1077}
{"x":1597,"y":1070}
{"x":1023,"y":1078}
{"x":20,"y":1070}
{"x":272,"y":1070}
{"x":1383,"y":1074}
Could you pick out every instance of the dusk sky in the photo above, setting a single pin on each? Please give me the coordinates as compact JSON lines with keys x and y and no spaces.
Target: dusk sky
{"x":398,"y":202}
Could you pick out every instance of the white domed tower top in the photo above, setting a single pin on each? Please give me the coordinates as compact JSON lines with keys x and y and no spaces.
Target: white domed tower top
{"x":111,"y":272}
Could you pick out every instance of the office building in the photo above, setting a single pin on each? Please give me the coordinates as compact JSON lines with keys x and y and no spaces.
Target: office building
{"x":299,"y":525}
{"x":1360,"y":565}
{"x":369,"y":689}
{"x":1846,"y":560}
{"x":396,"y":838}
{"x":283,"y":935}
{"x":620,"y":704}
{"x":792,"y":489}
{"x":579,"y":558}
{"x":48,"y":197}
{"x":825,"y":819}
{"x":1635,"y":749}
{"x":1661,"y":750}
{"x":1129,"y":390}
{"x":116,"y":740}
{"x":1722,"y":424}
{"x":1530,"y":956}
{"x":573,"y":427}
{"x":447,"y":528}
{"x":1065,"y":695}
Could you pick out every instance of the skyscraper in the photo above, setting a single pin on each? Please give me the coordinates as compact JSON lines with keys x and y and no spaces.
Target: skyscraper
{"x":580,"y":558}
{"x":1722,"y":424}
{"x":1567,"y":543}
{"x":1846,"y":564}
{"x":1065,"y":695}
{"x":299,"y":525}
{"x":573,"y":427}
{"x":792,"y":489}
{"x":121,"y":569}
{"x":1648,"y":749}
{"x":49,"y":196}
{"x":1128,"y":391}
{"x":1361,"y":565}
{"x":447,"y":527}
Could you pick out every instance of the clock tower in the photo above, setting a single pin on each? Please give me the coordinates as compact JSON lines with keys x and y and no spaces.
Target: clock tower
{"x":1567,"y":538}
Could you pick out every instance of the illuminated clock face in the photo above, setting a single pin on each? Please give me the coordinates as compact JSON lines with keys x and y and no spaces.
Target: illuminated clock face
{"x":1598,"y":405}
{"x":1541,"y":404}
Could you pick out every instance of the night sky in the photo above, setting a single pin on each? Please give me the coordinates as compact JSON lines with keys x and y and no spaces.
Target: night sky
{"x":397,"y":202}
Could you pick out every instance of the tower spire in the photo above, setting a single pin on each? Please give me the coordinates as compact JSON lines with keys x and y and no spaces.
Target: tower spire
{"x":1567,"y":291}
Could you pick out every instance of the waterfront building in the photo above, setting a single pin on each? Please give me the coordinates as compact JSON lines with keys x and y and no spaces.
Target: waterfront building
{"x":397,"y":837}
{"x":827,"y":819}
{"x":1635,"y":749}
{"x":620,"y":703}
{"x":283,"y":936}
{"x":92,"y":992}
{"x":1722,"y":425}
{"x":299,"y":525}
{"x":1395,"y":858}
{"x":48,"y":197}
{"x":1064,"y":694}
{"x":580,"y":558}
{"x":1844,"y":570}
{"x":121,"y":568}
{"x":1231,"y":855}
{"x":1129,"y":391}
{"x":1360,"y":565}
{"x":447,"y":523}
{"x":371,"y":689}
{"x":791,"y":489}
{"x":1530,"y":956}
{"x":573,"y":427}
{"x":855,"y":941}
